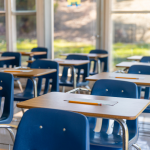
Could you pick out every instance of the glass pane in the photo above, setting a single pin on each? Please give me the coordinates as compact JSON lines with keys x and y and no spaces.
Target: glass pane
{"x":25,"y":5}
{"x":74,"y":27}
{"x":26,"y":33}
{"x":131,"y":5}
{"x":2,"y":5}
{"x":2,"y":34}
{"x":131,"y":36}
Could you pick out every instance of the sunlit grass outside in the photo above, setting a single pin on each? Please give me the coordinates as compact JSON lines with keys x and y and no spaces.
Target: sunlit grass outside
{"x":120,"y":51}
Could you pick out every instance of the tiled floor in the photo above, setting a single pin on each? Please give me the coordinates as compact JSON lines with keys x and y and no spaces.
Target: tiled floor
{"x":143,"y":141}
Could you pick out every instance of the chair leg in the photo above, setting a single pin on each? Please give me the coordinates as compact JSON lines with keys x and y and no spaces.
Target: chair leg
{"x":22,"y":110}
{"x":20,"y":86}
{"x":11,"y":134}
{"x":136,"y":146}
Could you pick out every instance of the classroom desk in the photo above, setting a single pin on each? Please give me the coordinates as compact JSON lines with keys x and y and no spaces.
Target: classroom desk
{"x":92,"y":56}
{"x":69,"y":63}
{"x":118,"y":112}
{"x":136,"y":58}
{"x":30,"y":54}
{"x":129,"y":64}
{"x":6,"y":58}
{"x":31,"y":75}
{"x":142,"y":80}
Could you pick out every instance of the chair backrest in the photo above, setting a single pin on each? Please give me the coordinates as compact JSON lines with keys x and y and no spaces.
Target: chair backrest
{"x":40,"y":49}
{"x":145,"y":59}
{"x":139,"y":69}
{"x":52,"y":78}
{"x":52,"y":129}
{"x":7,"y":94}
{"x":14,"y":62}
{"x":85,"y":67}
{"x":104,"y":60}
{"x":114,"y":88}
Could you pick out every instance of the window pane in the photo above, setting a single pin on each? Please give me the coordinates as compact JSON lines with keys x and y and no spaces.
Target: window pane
{"x":26,"y":33}
{"x":2,"y":34}
{"x":2,"y":5}
{"x":131,"y":36}
{"x":131,"y":5}
{"x":25,"y":5}
{"x":74,"y":27}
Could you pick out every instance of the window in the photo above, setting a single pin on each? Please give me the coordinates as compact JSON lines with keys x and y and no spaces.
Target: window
{"x":131,"y":29}
{"x":25,"y":15}
{"x":74,"y":27}
{"x":2,"y":27}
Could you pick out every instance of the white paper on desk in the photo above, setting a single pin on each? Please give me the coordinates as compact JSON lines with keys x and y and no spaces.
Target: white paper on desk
{"x":127,"y":77}
{"x":25,"y":70}
{"x":103,"y":102}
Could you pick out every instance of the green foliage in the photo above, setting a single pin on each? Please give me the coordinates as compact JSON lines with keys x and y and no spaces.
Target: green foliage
{"x":62,"y":46}
{"x":120,"y":51}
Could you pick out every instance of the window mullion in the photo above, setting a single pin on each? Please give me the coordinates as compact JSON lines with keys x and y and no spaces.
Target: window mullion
{"x":10,"y":27}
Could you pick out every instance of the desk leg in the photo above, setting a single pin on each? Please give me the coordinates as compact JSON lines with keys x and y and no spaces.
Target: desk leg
{"x":35,"y":86}
{"x":31,"y":58}
{"x":125,"y":133}
{"x":74,"y":77}
{"x":98,"y":66}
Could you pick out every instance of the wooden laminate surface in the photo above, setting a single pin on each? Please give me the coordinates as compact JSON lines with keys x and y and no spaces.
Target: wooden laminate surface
{"x":89,"y":55}
{"x":33,"y":73}
{"x":125,"y":108}
{"x":30,"y":53}
{"x":6,"y":58}
{"x":137,"y":58}
{"x":72,"y":62}
{"x":140,"y":79}
{"x":129,"y":64}
{"x":63,"y":62}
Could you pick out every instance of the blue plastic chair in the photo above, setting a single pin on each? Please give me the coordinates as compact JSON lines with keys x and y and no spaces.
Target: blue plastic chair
{"x":36,"y":57}
{"x":49,"y":129}
{"x":52,"y":77}
{"x":141,"y":69}
{"x":85,"y":68}
{"x":7,"y":93}
{"x":102,"y":60}
{"x":13,"y":63}
{"x":145,"y":59}
{"x":101,"y":140}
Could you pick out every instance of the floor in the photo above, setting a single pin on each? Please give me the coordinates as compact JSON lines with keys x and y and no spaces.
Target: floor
{"x":144,"y":128}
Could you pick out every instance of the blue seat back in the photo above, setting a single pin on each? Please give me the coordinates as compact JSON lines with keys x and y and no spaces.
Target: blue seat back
{"x":85,"y":69}
{"x":14,"y":62}
{"x":104,"y":60}
{"x":145,"y":59}
{"x":40,"y":49}
{"x":52,"y":78}
{"x":141,"y":69}
{"x":52,"y":129}
{"x":7,"y":92}
{"x":114,"y":88}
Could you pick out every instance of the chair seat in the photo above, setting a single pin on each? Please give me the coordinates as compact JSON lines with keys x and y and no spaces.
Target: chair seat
{"x":23,"y":96}
{"x":110,"y":140}
{"x":70,"y":84}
